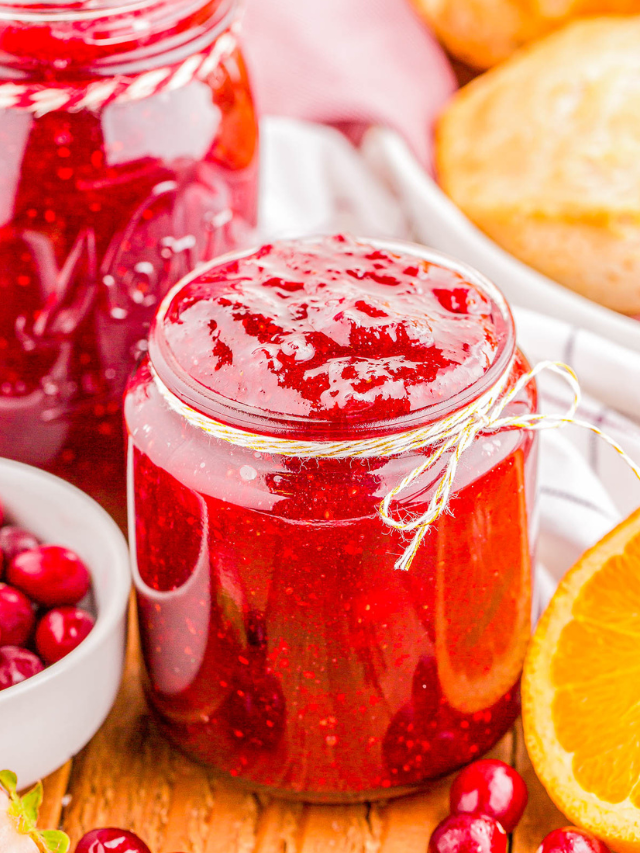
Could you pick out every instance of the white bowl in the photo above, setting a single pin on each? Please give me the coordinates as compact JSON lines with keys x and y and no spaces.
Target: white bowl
{"x":47,"y":719}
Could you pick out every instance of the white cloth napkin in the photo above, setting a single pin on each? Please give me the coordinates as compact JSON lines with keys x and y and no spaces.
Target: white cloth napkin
{"x":316,"y":181}
{"x":351,"y":63}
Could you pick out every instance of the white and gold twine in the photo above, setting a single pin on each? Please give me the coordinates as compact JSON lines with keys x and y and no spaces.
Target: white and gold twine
{"x":453,"y":435}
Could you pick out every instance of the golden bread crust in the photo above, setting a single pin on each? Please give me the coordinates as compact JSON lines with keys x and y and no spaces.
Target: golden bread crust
{"x":485,"y":32}
{"x":543,"y":154}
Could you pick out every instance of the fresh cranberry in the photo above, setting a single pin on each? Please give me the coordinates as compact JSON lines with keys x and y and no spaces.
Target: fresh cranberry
{"x":61,"y":631}
{"x":492,"y":788}
{"x":50,"y":575}
{"x":15,"y":540}
{"x":17,"y":665}
{"x":111,"y":840}
{"x":16,"y":617}
{"x":465,"y":833}
{"x":569,"y":839}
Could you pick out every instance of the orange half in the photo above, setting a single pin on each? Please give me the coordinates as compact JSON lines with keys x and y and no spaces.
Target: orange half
{"x":581,"y":691}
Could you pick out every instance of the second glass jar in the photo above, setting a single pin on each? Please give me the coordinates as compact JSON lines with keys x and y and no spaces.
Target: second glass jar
{"x":128,"y":140}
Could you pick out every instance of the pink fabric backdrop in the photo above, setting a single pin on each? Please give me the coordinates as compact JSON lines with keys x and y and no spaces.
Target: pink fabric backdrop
{"x":348,"y":62}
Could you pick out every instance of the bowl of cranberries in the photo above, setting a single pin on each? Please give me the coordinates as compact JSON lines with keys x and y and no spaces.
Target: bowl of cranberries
{"x":64,"y":590}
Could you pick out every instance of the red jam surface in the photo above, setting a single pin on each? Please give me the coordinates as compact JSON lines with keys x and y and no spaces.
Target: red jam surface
{"x":102,"y":210}
{"x":281,"y":645}
{"x":333,"y":330}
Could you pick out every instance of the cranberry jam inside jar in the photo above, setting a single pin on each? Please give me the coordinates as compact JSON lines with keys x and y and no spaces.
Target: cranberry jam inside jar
{"x":281,"y":644}
{"x":128,"y":142}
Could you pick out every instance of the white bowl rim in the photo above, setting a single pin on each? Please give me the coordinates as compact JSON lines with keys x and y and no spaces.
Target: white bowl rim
{"x":111,"y":612}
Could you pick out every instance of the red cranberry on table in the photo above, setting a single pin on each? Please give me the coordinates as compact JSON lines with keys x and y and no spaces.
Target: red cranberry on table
{"x":16,"y":617}
{"x":490,"y":787}
{"x":50,"y":575}
{"x":465,"y":833}
{"x":111,"y":840}
{"x":60,"y":631}
{"x":14,"y":540}
{"x":569,"y":839}
{"x":17,"y":665}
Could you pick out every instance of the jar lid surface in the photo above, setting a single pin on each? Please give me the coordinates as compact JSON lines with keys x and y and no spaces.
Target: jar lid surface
{"x":332,"y":330}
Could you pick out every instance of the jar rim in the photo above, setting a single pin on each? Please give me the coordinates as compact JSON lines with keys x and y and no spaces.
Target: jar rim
{"x":60,"y":11}
{"x":33,"y":11}
{"x":121,"y":36}
{"x":254,"y":419}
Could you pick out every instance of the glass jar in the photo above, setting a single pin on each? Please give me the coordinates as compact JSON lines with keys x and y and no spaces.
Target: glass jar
{"x":128,"y":140}
{"x":281,"y":644}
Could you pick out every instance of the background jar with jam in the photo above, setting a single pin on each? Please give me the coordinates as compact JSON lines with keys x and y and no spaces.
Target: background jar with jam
{"x":281,"y":643}
{"x":128,"y":143}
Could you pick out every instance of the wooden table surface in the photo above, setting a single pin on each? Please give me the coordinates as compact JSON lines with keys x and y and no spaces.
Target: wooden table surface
{"x":130,"y":777}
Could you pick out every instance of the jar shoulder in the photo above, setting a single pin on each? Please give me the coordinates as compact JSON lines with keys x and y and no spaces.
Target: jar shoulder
{"x":218,"y":469}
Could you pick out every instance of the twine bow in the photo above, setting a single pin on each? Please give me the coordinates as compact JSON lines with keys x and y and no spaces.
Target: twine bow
{"x":453,"y":435}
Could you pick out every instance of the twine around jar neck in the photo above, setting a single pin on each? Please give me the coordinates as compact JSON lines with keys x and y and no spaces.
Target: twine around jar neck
{"x":71,"y":96}
{"x":453,"y":435}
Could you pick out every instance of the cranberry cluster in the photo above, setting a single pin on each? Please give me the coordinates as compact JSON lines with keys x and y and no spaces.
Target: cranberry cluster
{"x":40,"y":587}
{"x":487,"y":799}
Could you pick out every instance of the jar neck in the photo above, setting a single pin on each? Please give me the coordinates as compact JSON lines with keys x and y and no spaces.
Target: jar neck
{"x":58,"y":40}
{"x":245,"y":417}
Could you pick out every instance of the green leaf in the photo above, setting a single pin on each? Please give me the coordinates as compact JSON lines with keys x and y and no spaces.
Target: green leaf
{"x":55,"y":840}
{"x":9,"y":781}
{"x":31,"y":803}
{"x":25,"y":811}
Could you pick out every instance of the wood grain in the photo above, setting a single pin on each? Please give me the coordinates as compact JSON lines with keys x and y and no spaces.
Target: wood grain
{"x":541,"y":816}
{"x":129,"y":776}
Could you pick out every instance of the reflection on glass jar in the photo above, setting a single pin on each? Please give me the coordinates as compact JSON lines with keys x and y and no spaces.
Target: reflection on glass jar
{"x":281,"y":644}
{"x":128,"y":141}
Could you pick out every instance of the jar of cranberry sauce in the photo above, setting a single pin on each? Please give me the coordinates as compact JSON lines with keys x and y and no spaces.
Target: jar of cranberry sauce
{"x":282,"y":645}
{"x":128,"y":143}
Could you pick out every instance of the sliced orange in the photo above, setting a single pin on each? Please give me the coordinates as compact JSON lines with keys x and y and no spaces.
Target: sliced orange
{"x":581,"y":691}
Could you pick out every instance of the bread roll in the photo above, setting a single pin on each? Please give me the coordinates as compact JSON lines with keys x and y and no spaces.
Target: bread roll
{"x":484,"y":32}
{"x":543,"y":154}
